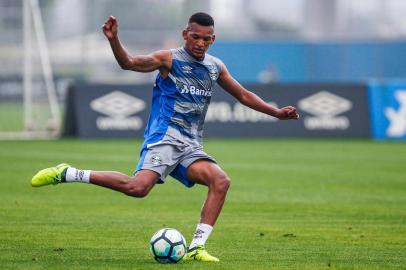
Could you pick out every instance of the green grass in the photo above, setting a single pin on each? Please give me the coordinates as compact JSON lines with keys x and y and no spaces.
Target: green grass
{"x":11,"y":116}
{"x":293,"y":204}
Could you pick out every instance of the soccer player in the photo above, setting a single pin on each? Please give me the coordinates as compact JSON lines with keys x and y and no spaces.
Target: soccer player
{"x":173,"y":135}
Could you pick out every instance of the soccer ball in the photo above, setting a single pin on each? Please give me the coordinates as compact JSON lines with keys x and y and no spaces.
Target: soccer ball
{"x":168,"y":246}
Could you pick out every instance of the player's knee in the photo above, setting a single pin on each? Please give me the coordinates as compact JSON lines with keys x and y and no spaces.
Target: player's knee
{"x":222,"y":184}
{"x":138,"y":190}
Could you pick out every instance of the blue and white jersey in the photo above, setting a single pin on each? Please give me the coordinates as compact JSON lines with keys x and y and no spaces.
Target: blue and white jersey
{"x":181,"y":99}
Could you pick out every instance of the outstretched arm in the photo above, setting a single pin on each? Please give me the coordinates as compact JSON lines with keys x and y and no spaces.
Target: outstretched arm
{"x":143,"y":63}
{"x":229,"y":84}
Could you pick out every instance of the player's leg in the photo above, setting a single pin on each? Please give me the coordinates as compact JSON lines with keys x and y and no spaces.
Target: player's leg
{"x":208,"y":173}
{"x":138,"y":185}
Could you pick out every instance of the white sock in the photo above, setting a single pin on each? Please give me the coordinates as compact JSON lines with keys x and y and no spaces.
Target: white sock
{"x":75,"y":175}
{"x":202,"y":232}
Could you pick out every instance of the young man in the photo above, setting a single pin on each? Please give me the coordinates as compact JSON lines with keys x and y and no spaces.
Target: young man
{"x":173,"y":136}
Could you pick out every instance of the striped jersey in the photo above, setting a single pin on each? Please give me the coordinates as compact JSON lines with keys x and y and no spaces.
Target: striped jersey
{"x":182,"y":98}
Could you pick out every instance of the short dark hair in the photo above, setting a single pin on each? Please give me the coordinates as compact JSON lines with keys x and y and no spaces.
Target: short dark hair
{"x":202,"y":18}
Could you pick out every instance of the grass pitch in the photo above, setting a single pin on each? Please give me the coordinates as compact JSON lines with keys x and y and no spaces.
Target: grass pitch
{"x":293,"y":204}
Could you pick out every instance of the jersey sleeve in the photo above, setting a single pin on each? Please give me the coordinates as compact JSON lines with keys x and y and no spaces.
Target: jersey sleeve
{"x":219,"y":65}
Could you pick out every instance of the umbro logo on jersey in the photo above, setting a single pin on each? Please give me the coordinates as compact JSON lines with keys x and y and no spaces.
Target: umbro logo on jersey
{"x":187,"y":69}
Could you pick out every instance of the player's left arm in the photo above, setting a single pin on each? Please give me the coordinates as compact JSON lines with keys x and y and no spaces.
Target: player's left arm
{"x":249,"y":99}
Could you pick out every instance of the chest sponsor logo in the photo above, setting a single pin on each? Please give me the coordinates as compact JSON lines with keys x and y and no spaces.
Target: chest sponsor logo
{"x":119,"y":108}
{"x":193,"y":90}
{"x":325,"y":108}
{"x":397,"y":118}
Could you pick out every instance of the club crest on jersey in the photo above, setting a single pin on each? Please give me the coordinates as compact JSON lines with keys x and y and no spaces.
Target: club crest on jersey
{"x":156,"y":160}
{"x":213,"y":72}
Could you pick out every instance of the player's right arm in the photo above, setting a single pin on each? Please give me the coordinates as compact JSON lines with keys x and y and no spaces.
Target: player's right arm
{"x":159,"y":60}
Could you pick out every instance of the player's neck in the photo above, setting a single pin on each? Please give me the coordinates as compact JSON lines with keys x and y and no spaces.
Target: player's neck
{"x":191,"y":55}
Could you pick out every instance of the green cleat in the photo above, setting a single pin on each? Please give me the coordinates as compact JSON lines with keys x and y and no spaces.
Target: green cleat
{"x":48,"y":176}
{"x":199,"y":253}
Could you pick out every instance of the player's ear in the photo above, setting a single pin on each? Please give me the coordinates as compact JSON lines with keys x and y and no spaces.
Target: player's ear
{"x":213,"y":38}
{"x":184,"y":34}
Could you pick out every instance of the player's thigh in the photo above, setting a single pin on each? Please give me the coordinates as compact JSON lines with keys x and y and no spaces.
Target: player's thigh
{"x":206,"y":172}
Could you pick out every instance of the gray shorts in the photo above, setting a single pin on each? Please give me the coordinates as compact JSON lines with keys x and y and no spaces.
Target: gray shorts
{"x":172,"y":156}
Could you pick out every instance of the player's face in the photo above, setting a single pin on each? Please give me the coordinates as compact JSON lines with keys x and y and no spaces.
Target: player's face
{"x":198,"y":39}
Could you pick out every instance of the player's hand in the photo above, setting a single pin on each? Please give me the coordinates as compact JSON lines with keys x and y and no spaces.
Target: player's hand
{"x":110,"y":27}
{"x":287,"y":113}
